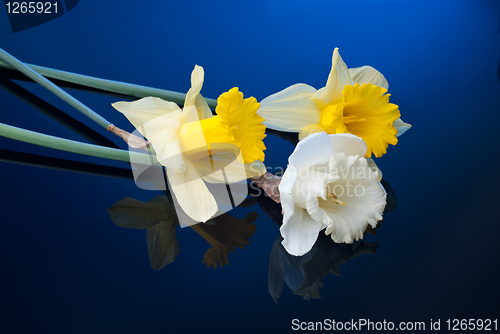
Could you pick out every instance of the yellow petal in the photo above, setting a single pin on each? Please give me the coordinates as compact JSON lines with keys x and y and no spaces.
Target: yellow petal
{"x":371,"y":116}
{"x":291,"y":109}
{"x":338,"y":78}
{"x":240,"y":115}
{"x":192,"y":193}
{"x":146,"y":110}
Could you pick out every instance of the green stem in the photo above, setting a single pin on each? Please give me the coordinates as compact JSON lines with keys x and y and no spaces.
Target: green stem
{"x":67,"y":145}
{"x":15,"y":63}
{"x":110,"y":85}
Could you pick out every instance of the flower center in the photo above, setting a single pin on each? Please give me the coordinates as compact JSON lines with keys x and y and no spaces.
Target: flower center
{"x":335,"y":116}
{"x":334,"y":198}
{"x":200,"y":139}
{"x":236,"y":127}
{"x":365,"y":111}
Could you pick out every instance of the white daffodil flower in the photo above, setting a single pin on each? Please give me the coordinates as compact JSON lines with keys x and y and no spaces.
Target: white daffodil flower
{"x":353,"y":101}
{"x":194,"y":144}
{"x":329,"y":185}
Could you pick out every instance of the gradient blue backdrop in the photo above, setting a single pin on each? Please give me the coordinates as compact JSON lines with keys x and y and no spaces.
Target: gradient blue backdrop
{"x":66,"y":268}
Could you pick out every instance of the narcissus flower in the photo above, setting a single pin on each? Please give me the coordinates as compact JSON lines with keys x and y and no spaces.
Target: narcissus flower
{"x":353,"y":101}
{"x":329,"y":185}
{"x":193,"y":144}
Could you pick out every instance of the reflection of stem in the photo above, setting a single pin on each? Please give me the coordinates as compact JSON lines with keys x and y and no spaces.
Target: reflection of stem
{"x":109,"y":85}
{"x":67,"y":145}
{"x":34,"y":160}
{"x":56,"y":114}
{"x":15,"y":63}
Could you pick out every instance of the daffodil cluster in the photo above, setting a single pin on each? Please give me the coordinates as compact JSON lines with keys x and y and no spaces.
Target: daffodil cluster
{"x":197,"y":146}
{"x":340,"y":127}
{"x":331,"y":182}
{"x":353,"y":101}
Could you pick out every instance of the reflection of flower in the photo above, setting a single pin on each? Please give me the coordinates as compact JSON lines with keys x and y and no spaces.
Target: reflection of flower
{"x":159,"y":217}
{"x":328,"y":184}
{"x":304,"y":275}
{"x":353,"y":101}
{"x":193,"y":144}
{"x":225,"y":235}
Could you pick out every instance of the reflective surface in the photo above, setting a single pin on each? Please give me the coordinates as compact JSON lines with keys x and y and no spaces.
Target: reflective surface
{"x":68,"y":268}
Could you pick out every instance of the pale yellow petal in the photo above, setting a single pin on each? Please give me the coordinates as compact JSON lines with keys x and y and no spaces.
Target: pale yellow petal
{"x":225,"y":168}
{"x":401,"y":126}
{"x":189,"y":114}
{"x":197,"y":77}
{"x":168,"y":148}
{"x":310,"y":129}
{"x":291,"y":109}
{"x":338,"y":78}
{"x":146,"y":110}
{"x":202,"y":107}
{"x":367,"y":74}
{"x":191,"y":193}
{"x":193,"y":96}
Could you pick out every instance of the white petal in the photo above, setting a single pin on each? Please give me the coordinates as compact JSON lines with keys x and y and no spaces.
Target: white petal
{"x":225,"y":168}
{"x":401,"y":126}
{"x":373,"y":166}
{"x":288,"y":181}
{"x":364,"y":199}
{"x":338,"y":78}
{"x":299,"y":230}
{"x":291,"y":109}
{"x":314,"y":150}
{"x":193,"y":96}
{"x":367,"y":74}
{"x":163,"y":246}
{"x":191,"y":193}
{"x":148,"y":109}
{"x":312,"y":182}
{"x":348,"y":144}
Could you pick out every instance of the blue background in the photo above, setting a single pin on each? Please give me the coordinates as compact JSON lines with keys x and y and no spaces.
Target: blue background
{"x":66,"y":268}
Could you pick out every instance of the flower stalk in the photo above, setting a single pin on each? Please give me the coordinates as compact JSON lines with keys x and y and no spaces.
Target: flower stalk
{"x":18,"y":65}
{"x":109,"y":85}
{"x":67,"y":145}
